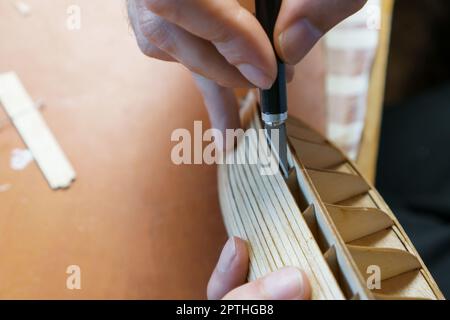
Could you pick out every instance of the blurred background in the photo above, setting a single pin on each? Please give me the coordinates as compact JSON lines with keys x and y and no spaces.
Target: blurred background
{"x":414,"y":159}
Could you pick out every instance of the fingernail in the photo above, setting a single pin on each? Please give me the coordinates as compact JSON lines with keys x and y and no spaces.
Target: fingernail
{"x":227,"y":256}
{"x":296,"y":41}
{"x":256,"y":76}
{"x":285,"y":284}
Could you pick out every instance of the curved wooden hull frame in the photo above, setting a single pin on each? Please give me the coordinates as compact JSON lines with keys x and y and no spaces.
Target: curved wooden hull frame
{"x":328,"y":220}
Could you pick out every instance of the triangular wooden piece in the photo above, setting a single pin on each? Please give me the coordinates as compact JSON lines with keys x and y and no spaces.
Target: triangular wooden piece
{"x":298,"y":132}
{"x":355,"y":223}
{"x":409,"y":284}
{"x":331,"y":258}
{"x":317,"y":155}
{"x":392,"y":262}
{"x":334,"y":186}
{"x":310,"y":217}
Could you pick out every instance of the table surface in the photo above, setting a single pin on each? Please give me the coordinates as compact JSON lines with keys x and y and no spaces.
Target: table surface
{"x":136,"y":224}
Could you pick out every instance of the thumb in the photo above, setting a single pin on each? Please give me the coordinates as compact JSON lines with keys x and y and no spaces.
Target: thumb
{"x":302,"y":23}
{"x":284,"y":284}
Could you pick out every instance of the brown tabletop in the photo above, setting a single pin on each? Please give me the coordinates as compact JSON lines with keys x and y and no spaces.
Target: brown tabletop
{"x":136,"y":224}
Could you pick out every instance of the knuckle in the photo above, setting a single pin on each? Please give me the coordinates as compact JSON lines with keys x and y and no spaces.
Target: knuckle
{"x":158,"y":33}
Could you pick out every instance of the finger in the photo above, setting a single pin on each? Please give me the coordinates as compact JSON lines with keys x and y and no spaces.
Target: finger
{"x":222,"y":106}
{"x":233,"y":30}
{"x":198,"y":55}
{"x":290,"y":73}
{"x":146,"y":47}
{"x":231,"y":270}
{"x":284,"y":284}
{"x":303,"y":22}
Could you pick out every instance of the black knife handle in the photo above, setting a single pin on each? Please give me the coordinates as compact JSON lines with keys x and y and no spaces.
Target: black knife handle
{"x":274,"y":100}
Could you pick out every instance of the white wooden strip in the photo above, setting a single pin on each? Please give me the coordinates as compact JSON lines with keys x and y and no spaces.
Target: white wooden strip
{"x":35,"y":133}
{"x":348,"y":133}
{"x":341,"y":85}
{"x":352,"y":39}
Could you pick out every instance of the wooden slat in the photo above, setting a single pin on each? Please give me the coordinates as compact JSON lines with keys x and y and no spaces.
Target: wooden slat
{"x":317,"y":155}
{"x":334,"y":187}
{"x":356,"y":223}
{"x":392,"y":262}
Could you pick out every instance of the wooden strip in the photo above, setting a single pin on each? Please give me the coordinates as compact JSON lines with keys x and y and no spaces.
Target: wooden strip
{"x":252,"y":235}
{"x":258,"y":216}
{"x":341,"y":85}
{"x":254,"y":263}
{"x":35,"y":132}
{"x":355,"y":223}
{"x":269,"y":225}
{"x":352,"y":39}
{"x":232,"y":219}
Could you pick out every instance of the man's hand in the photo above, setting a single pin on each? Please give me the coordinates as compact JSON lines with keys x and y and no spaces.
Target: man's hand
{"x":229,"y":278}
{"x":223,"y":43}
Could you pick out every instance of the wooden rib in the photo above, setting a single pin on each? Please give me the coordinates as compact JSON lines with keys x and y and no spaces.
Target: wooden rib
{"x":331,"y":258}
{"x":381,"y":239}
{"x":355,"y":223}
{"x":311,"y":220}
{"x":296,"y":122}
{"x":408,"y":285}
{"x":315,"y":155}
{"x":334,"y":187}
{"x":401,"y":285}
{"x":363,"y":200}
{"x":392,"y":262}
{"x":303,"y":133}
{"x":344,"y":168}
{"x":310,"y":217}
